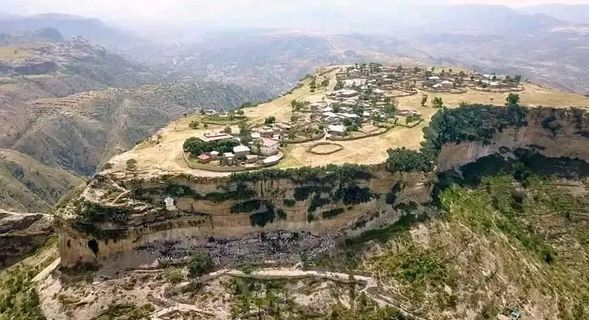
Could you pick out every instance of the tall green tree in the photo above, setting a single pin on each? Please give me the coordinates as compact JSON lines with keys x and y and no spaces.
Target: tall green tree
{"x":437,"y":102}
{"x":512,"y":100}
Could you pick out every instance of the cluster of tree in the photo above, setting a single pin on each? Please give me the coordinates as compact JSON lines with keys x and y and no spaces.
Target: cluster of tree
{"x":194,"y":124}
{"x":405,"y":160}
{"x":196,"y":146}
{"x":297,"y":105}
{"x":470,"y":123}
{"x":352,"y":124}
{"x":248,"y":104}
{"x":319,"y":175}
{"x":200,"y":264}
{"x":412,"y":118}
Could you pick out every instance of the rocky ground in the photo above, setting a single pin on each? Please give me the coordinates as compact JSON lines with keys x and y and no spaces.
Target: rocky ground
{"x":21,"y":234}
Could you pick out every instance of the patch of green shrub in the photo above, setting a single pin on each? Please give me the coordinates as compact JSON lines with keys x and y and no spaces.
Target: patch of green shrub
{"x":246,"y":206}
{"x":289,"y":202}
{"x":18,"y":297}
{"x":200,"y":264}
{"x":405,"y":160}
{"x":197,"y":146}
{"x":332,"y":213}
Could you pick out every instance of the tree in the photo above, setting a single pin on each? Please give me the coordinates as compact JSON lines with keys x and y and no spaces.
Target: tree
{"x":194,"y":124}
{"x":405,"y":160}
{"x":390,"y":109}
{"x":424,"y":100}
{"x":200,"y":264}
{"x":512,"y":100}
{"x":244,"y":133}
{"x":227,"y":130}
{"x":325,"y":83}
{"x":247,"y":104}
{"x":270,"y":120}
{"x":517,"y":78}
{"x":196,"y":146}
{"x":131,"y":164}
{"x":437,"y":102}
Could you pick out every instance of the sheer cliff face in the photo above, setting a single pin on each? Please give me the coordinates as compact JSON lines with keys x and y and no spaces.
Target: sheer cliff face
{"x":138,"y":222}
{"x":279,"y":215}
{"x":553,"y":133}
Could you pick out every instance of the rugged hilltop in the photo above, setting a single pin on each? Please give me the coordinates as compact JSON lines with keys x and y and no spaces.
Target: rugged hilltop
{"x":417,"y":211}
{"x":495,"y":167}
{"x":125,"y":213}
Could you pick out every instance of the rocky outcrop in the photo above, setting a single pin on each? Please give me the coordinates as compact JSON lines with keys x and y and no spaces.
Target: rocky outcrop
{"x":21,"y":234}
{"x":138,"y":222}
{"x":36,"y":68}
{"x":281,"y":215}
{"x":553,"y":133}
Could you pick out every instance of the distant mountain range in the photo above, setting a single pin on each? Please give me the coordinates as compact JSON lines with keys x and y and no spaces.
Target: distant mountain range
{"x":66,"y":106}
{"x":69,"y":26}
{"x":578,"y":13}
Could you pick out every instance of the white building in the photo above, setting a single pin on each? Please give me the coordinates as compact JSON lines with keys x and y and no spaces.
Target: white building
{"x":354,"y":82}
{"x":241,"y":151}
{"x":267,"y":147}
{"x":170,"y":204}
{"x":447,"y":84}
{"x":337,"y":130}
{"x":215,"y":136}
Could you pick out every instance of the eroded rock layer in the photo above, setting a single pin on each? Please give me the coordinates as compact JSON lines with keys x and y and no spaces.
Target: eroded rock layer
{"x":269,"y":215}
{"x":281,"y":215}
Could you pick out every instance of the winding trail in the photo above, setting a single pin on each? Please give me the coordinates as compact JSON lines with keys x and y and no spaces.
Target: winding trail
{"x":370,"y":287}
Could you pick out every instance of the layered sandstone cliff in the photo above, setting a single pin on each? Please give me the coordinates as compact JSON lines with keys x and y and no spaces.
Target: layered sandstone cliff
{"x":271,"y":215}
{"x":280,"y":215}
{"x":553,"y":133}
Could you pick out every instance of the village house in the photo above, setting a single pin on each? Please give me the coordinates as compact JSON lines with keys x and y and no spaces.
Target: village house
{"x":204,"y":158}
{"x":354,"y":83}
{"x":251,"y":158}
{"x":265,"y":146}
{"x":215,"y":136}
{"x":241,"y":151}
{"x":283,"y":127}
{"x":345,"y":93}
{"x":447,"y":84}
{"x":169,"y":202}
{"x":336,"y":130}
{"x":271,"y":160}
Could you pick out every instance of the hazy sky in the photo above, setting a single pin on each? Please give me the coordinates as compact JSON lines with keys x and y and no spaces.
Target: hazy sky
{"x":186,"y":10}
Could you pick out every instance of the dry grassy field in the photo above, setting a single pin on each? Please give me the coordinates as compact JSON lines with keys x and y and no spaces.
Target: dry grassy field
{"x":13,"y":53}
{"x":164,"y":151}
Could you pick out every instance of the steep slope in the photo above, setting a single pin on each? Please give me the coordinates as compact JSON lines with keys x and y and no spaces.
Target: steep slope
{"x":80,"y":132}
{"x":504,"y":236}
{"x":498,"y":250}
{"x":29,"y":186}
{"x":71,"y":105}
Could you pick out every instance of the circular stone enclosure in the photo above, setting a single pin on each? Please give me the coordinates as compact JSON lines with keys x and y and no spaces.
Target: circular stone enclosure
{"x":325,"y":148}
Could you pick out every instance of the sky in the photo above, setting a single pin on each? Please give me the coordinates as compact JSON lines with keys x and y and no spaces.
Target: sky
{"x":210,"y":10}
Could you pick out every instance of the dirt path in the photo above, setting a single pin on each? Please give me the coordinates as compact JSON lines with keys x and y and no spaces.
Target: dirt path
{"x":370,"y":287}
